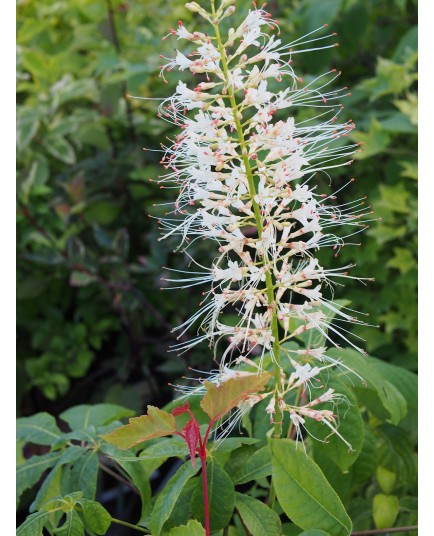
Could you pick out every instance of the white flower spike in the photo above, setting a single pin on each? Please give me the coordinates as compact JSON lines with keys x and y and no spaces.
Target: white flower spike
{"x":246,"y":171}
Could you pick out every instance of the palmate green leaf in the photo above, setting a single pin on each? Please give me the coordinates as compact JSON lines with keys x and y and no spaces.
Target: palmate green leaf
{"x":221,"y":492}
{"x":403,"y":260}
{"x":168,"y":498}
{"x":97,"y":415}
{"x":96,"y":517}
{"x":350,"y":427}
{"x":257,"y":466}
{"x":40,"y":428}
{"x":375,"y":141}
{"x":156,"y":423}
{"x":220,"y":399}
{"x":31,"y":470}
{"x":34,"y":524}
{"x":193,"y":528}
{"x":258,"y":518}
{"x":303,"y":491}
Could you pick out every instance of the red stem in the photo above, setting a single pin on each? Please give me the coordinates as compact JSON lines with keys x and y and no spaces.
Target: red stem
{"x":205,"y":492}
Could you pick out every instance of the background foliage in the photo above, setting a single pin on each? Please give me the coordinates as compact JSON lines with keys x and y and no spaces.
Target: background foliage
{"x":93,"y":325}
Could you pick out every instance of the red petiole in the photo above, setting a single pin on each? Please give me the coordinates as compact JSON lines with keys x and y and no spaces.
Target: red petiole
{"x":191,"y":435}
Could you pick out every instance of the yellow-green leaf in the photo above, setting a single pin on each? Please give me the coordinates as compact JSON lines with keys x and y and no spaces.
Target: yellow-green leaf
{"x":385,"y":510}
{"x":221,"y":398}
{"x":156,"y":423}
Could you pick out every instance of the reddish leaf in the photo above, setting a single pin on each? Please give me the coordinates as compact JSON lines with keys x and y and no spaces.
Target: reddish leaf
{"x":220,"y":399}
{"x":181,"y":409}
{"x":191,"y":432}
{"x":156,"y":423}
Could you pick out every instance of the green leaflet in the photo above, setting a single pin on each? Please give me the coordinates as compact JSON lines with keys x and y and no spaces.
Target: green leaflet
{"x":33,"y":525}
{"x":73,"y":525}
{"x":137,"y":473}
{"x":258,"y":518}
{"x":167,"y":499}
{"x":40,"y":428}
{"x":97,"y":415}
{"x":84,"y":474}
{"x":181,"y":514}
{"x":52,"y":486}
{"x":28,"y":473}
{"x":95,"y":516}
{"x":303,"y":491}
{"x":221,"y":493}
{"x":257,"y":466}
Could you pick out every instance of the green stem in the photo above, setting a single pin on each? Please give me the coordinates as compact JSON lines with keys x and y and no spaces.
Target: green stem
{"x":130,"y":525}
{"x":258,"y":218}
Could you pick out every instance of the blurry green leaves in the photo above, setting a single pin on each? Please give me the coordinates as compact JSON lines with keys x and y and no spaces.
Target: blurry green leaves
{"x":409,"y":107}
{"x":375,"y":141}
{"x":60,"y":148}
{"x":403,"y":260}
{"x":385,"y":510}
{"x":391,"y":78}
{"x":407,"y":46}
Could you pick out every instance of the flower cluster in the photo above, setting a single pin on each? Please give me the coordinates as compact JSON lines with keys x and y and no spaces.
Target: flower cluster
{"x":246,"y":172}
